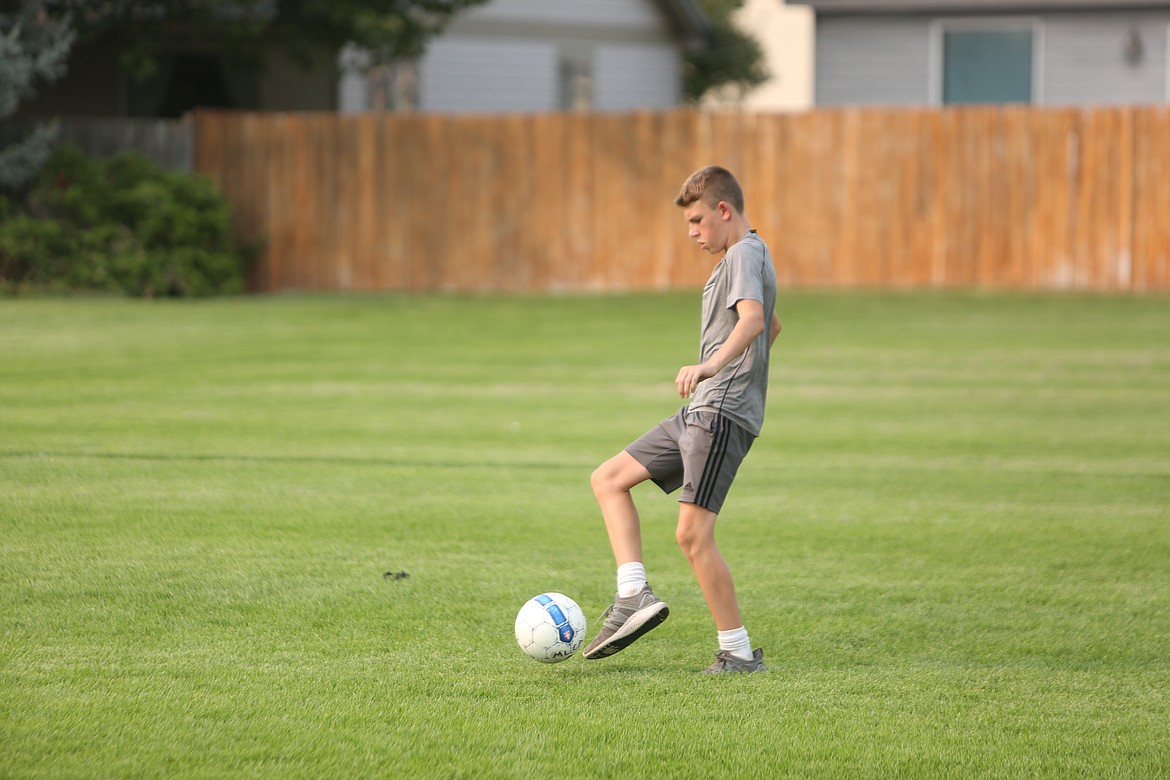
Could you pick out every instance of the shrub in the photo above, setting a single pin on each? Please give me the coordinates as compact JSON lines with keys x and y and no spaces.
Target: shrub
{"x":122,"y":224}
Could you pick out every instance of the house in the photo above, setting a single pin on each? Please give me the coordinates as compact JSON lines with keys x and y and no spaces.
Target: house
{"x":785,"y":33}
{"x":1038,"y":52}
{"x":540,"y":55}
{"x":504,"y":55}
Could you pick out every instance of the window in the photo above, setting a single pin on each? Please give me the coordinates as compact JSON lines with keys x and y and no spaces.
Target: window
{"x":985,"y":61}
{"x":188,"y":80}
{"x":575,"y":83}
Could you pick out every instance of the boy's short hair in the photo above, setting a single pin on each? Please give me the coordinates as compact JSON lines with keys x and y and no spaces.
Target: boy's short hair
{"x":711,"y":184}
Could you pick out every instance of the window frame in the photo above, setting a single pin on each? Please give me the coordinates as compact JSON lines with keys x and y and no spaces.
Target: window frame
{"x":1033,"y":24}
{"x":1166,"y":55}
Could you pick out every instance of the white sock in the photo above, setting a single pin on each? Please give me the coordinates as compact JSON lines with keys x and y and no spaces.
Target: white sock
{"x":737,"y":643}
{"x":631,"y":578}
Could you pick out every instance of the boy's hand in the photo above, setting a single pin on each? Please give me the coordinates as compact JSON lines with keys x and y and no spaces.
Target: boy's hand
{"x":689,"y":377}
{"x":750,"y":325}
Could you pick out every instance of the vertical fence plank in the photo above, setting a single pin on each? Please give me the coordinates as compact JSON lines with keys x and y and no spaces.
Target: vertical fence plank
{"x":941,"y":232}
{"x":416,"y":263}
{"x":680,"y":155}
{"x":396,"y":254}
{"x":1019,"y":165}
{"x":1056,"y":136}
{"x":809,"y":200}
{"x":342,"y":171}
{"x":1105,"y":200}
{"x":1151,"y":227}
{"x":614,"y":205}
{"x":545,"y":163}
{"x":762,"y":184}
{"x":575,"y":235}
{"x":244,"y":160}
{"x":364,"y":240}
{"x":514,"y":183}
{"x":913,"y":267}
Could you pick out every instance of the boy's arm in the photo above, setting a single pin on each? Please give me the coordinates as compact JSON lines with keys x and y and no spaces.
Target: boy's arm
{"x":750,"y":325}
{"x":775,"y":329}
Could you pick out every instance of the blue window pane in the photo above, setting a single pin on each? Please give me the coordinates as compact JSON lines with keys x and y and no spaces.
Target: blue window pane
{"x":987,"y":66}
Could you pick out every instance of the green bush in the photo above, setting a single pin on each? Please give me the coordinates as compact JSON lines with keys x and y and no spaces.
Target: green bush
{"x":121,"y":224}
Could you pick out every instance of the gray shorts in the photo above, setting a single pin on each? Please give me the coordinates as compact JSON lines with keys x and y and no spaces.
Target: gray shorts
{"x":697,"y":451}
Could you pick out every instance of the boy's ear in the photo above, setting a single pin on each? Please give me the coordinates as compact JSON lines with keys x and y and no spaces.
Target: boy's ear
{"x":725,"y":210}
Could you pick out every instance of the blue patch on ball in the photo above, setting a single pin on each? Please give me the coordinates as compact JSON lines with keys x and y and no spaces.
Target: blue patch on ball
{"x":559,"y":618}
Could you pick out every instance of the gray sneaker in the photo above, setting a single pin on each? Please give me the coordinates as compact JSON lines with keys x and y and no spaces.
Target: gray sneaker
{"x":626,"y":620}
{"x":726,"y":663}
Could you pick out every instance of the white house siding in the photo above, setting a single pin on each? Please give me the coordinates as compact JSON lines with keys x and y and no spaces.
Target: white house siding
{"x":866,"y":60}
{"x":460,"y":74}
{"x":513,"y":56}
{"x":634,"y":77}
{"x":863,"y":61}
{"x":1084,"y":60}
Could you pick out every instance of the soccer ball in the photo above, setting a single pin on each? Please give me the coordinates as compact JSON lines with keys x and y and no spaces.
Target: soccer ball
{"x":550,"y":627}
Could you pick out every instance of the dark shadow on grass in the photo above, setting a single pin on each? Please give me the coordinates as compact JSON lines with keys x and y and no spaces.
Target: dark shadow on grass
{"x":330,"y":460}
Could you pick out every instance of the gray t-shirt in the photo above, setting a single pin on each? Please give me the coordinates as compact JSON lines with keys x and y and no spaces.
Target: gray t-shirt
{"x":740,"y":390}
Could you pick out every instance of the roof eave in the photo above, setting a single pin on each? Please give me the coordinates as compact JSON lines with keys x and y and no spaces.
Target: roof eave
{"x":688,"y":19}
{"x":889,"y":7}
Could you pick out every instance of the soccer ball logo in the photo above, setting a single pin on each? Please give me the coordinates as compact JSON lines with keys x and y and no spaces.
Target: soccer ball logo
{"x":550,"y":627}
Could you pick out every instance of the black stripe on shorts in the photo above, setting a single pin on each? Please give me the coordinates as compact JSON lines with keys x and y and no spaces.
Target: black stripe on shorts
{"x":714,"y":462}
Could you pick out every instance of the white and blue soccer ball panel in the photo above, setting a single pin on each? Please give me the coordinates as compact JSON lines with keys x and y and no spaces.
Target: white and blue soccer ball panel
{"x":550,"y":627}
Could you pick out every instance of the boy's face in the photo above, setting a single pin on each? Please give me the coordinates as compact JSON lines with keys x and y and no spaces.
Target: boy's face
{"x":708,"y":226}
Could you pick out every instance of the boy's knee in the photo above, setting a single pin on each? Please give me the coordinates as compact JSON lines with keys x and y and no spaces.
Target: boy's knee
{"x":689,"y":539}
{"x":596,"y":479}
{"x":694,"y":534}
{"x":617,"y":475}
{"x":602,"y":478}
{"x":693,"y":544}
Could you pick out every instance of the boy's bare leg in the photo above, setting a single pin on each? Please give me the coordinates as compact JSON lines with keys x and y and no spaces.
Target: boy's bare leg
{"x":696,"y":537}
{"x":612,"y":482}
{"x":632,"y":615}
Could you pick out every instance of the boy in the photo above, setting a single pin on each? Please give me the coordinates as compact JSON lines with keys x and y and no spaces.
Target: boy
{"x":701,"y":447}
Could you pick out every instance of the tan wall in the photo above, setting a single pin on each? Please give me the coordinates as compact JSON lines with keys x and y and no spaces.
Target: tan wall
{"x":991,"y":197}
{"x":787,"y":38}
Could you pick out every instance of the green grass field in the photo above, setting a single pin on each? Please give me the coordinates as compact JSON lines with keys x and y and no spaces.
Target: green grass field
{"x":952,"y":540}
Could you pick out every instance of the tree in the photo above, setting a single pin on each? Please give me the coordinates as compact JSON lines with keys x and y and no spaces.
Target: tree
{"x":389,"y":29}
{"x":731,"y":59}
{"x":35,"y":41}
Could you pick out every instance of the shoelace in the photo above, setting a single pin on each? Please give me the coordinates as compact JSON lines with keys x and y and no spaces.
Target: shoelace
{"x":604,"y":615}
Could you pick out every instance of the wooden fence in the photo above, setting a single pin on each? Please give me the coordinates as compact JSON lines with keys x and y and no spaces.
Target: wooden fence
{"x":977,"y":197}
{"x":169,"y":142}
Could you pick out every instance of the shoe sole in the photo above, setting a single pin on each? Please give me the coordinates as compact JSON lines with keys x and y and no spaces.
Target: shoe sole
{"x":635,"y":626}
{"x":739,"y":670}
